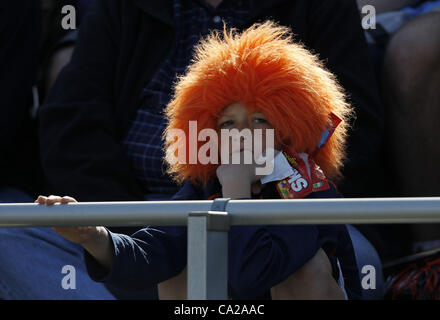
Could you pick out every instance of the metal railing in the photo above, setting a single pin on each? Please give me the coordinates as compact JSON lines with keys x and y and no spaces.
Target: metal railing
{"x":208,"y":223}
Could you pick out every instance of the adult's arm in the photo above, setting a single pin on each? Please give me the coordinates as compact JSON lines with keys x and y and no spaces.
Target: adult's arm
{"x":335,"y":33}
{"x":80,"y":155}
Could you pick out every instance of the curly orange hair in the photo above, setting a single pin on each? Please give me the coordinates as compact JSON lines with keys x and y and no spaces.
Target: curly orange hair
{"x":266,"y":71}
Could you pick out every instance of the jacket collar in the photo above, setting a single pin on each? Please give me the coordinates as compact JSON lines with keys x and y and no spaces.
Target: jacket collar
{"x":163,"y":9}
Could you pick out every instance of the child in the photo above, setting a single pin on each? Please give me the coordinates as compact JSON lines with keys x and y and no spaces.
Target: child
{"x":259,"y":79}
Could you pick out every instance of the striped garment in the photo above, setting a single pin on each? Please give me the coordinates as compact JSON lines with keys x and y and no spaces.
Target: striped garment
{"x":142,"y":143}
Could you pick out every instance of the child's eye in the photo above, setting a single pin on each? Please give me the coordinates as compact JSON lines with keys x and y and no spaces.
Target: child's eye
{"x":259,"y":120}
{"x":226,"y":123}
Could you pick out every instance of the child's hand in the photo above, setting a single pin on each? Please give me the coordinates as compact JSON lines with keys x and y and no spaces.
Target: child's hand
{"x":78,"y":235}
{"x":96,"y":240}
{"x":237,"y":179}
{"x":239,"y":173}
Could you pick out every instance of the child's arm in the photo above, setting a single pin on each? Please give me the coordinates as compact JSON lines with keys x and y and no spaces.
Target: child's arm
{"x":136,"y":262}
{"x":95,"y":240}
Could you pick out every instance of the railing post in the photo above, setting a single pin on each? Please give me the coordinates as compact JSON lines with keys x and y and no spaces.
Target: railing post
{"x":208,"y":253}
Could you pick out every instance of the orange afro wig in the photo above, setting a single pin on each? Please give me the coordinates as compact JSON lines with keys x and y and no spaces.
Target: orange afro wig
{"x":266,"y":71}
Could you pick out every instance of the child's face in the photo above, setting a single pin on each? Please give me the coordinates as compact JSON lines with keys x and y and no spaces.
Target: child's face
{"x":236,"y":116}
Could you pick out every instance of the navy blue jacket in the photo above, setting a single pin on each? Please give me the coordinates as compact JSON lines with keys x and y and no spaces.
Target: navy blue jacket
{"x":19,"y":39}
{"x":259,"y":256}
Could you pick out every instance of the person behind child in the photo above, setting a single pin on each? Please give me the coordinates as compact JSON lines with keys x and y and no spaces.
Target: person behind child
{"x":258,"y":79}
{"x":19,"y":37}
{"x":101,"y":124}
{"x":406,"y":48}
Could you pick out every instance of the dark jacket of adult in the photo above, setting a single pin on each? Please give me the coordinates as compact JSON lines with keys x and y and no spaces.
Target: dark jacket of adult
{"x":122,"y":43}
{"x":19,"y":44}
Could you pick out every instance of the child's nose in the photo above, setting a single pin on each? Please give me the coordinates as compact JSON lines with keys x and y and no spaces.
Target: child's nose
{"x":242,"y":125}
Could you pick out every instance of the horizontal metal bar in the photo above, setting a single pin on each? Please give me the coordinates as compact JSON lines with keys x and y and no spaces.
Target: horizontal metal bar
{"x":336,"y":211}
{"x":242,"y":212}
{"x":154,"y":213}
